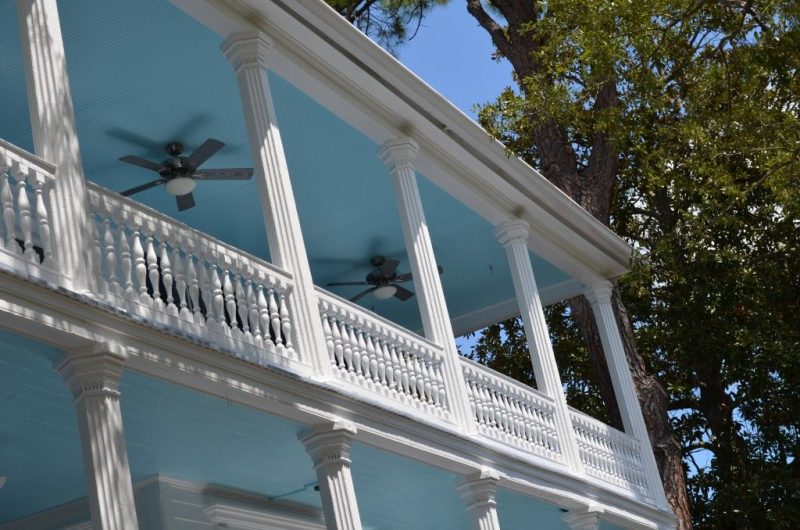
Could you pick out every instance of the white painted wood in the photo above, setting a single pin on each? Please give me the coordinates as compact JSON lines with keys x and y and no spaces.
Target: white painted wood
{"x":328,"y":445}
{"x":92,"y":375}
{"x":378,"y":355}
{"x":399,"y":156}
{"x":513,"y":235}
{"x":511,"y":412}
{"x":55,"y":136}
{"x":587,"y":518}
{"x":478,"y":492}
{"x":247,"y":52}
{"x":599,"y":297}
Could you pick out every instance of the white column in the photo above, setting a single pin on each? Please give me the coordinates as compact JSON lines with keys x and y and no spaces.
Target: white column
{"x":328,"y":445}
{"x":513,"y":235}
{"x":247,"y":52}
{"x":478,"y":492}
{"x":92,"y":375}
{"x":599,"y":297}
{"x":583,"y":518}
{"x":399,"y":156}
{"x":55,"y":136}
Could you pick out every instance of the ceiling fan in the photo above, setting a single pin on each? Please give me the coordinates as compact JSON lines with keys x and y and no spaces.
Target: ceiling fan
{"x":178,"y":173}
{"x":383,"y":281}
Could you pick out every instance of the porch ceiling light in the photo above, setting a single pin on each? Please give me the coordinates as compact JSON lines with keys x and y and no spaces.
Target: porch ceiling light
{"x":180,"y":186}
{"x":385,"y":291}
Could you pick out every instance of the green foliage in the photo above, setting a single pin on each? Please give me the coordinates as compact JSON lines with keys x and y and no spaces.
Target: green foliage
{"x":389,"y":22}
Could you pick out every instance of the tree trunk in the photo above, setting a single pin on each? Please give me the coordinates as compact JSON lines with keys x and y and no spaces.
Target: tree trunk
{"x":592,"y":187}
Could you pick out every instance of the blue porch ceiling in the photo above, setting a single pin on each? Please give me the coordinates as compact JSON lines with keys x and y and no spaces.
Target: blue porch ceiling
{"x":144,"y":73}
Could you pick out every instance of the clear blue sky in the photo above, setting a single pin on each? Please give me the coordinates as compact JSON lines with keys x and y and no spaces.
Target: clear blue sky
{"x":454,"y":55}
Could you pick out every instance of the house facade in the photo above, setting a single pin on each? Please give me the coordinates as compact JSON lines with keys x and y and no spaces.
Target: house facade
{"x":276,"y":349}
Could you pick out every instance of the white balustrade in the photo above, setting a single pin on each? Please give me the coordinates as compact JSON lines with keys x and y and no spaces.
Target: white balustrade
{"x":378,"y":355}
{"x":25,"y":185}
{"x":172,"y":275}
{"x":609,"y":454}
{"x":511,"y":412}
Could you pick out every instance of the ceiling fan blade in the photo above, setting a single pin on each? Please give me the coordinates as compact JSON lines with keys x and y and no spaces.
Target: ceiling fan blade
{"x":337,"y":284}
{"x":185,"y":201}
{"x":238,"y":173}
{"x":141,"y":162}
{"x":204,"y":152}
{"x":362,"y":294}
{"x":143,"y":187}
{"x":408,"y":276}
{"x":402,"y":293}
{"x":389,"y":267}
{"x":131,"y":137}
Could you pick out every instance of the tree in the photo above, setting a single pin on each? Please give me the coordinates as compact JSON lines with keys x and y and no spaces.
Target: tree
{"x":675,"y":122}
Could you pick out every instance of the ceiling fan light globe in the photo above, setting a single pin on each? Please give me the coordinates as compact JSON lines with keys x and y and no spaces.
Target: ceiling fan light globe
{"x":384,"y":292}
{"x":180,"y":186}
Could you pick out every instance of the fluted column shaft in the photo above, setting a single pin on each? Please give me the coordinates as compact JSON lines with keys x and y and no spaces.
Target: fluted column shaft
{"x":399,"y":156}
{"x":513,"y":235}
{"x":248,"y":52}
{"x":328,"y":446}
{"x":92,"y":376}
{"x":599,"y":297}
{"x":479,"y":492}
{"x":55,"y":137}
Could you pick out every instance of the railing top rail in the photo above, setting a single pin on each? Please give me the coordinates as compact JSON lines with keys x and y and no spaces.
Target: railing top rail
{"x":603,"y":428}
{"x":369,"y":315}
{"x":208,"y":240}
{"x":513,"y":383}
{"x":45,"y":168}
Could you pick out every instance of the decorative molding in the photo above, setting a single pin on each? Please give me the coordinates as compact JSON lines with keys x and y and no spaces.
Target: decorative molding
{"x":478,"y":492}
{"x":584,"y":519}
{"x":329,"y":443}
{"x":514,"y":231}
{"x":241,"y":518}
{"x":247,"y":49}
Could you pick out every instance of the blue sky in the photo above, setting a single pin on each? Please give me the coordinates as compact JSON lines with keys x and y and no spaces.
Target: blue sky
{"x":454,"y":55}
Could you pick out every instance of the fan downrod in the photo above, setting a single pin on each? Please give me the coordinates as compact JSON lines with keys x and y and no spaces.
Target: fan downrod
{"x":174,"y":148}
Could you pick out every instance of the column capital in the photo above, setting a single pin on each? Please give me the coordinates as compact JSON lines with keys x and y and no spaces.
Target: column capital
{"x":513,"y":231}
{"x":399,"y":153}
{"x":599,"y":293}
{"x":329,"y":443}
{"x":583,"y":518}
{"x":478,"y":489}
{"x":93,"y":370}
{"x":247,"y":49}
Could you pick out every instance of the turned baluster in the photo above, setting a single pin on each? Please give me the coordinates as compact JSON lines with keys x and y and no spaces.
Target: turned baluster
{"x":338,"y":350}
{"x":274,"y":316}
{"x":477,"y":409}
{"x":25,"y":223}
{"x":110,"y":253}
{"x":383,"y":358}
{"x":347,"y":348}
{"x":166,"y":271}
{"x":139,"y":266}
{"x":241,"y":306}
{"x":9,"y":214}
{"x":328,"y":332}
{"x":217,"y":297}
{"x":263,"y":318}
{"x":372,"y":356}
{"x":124,"y":251}
{"x":44,"y":220}
{"x":179,"y":271}
{"x":428,"y":382}
{"x":405,"y":382}
{"x":411,"y":362}
{"x":286,"y":323}
{"x":391,"y":366}
{"x":152,"y":267}
{"x":252,"y":311}
{"x":193,"y":280}
{"x":229,"y":297}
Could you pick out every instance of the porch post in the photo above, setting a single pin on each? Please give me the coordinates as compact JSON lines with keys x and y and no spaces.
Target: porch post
{"x":55,"y":137}
{"x":92,"y":375}
{"x":399,"y":156}
{"x":247,"y":52}
{"x":513,"y":235}
{"x":328,"y":445}
{"x":583,"y":518}
{"x":478,"y":492}
{"x":599,"y":297}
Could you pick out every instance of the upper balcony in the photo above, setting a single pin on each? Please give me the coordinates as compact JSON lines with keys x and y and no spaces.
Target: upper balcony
{"x":144,"y":74}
